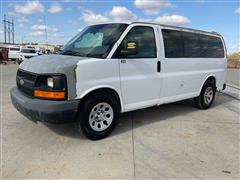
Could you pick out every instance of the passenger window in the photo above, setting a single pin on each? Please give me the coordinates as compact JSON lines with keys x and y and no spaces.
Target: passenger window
{"x":182,"y":44}
{"x":191,"y":45}
{"x":145,"y":38}
{"x":211,"y":47}
{"x":173,"y":43}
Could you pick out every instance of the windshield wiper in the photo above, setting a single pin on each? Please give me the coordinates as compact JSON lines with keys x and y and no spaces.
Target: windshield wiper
{"x":70,"y":52}
{"x":94,"y":55}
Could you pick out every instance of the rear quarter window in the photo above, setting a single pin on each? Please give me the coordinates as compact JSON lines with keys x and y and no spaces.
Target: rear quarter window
{"x":211,"y":46}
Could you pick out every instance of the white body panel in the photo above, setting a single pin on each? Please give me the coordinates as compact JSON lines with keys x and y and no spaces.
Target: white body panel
{"x":94,"y":74}
{"x":184,"y":77}
{"x":12,"y":53}
{"x":140,"y":82}
{"x":137,"y":81}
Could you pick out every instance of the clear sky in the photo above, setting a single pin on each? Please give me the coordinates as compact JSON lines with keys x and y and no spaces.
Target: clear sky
{"x":65,"y":18}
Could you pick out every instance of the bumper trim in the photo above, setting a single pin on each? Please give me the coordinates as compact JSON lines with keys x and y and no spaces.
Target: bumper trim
{"x":44,"y":110}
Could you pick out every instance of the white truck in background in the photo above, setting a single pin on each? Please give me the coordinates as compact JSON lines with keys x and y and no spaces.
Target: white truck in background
{"x":13,"y":52}
{"x":26,"y":53}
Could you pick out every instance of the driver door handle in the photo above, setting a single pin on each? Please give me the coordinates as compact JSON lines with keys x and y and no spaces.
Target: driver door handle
{"x":158,"y":66}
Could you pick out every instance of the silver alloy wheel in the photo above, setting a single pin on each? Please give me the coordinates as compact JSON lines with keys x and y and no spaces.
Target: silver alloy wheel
{"x":208,"y":95}
{"x":101,"y":116}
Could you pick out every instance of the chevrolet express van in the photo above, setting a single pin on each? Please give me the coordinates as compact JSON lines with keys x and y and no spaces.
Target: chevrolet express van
{"x":113,"y":68}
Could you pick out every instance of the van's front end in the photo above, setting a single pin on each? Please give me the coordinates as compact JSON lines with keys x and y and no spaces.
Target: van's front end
{"x":48,"y":89}
{"x":44,"y":88}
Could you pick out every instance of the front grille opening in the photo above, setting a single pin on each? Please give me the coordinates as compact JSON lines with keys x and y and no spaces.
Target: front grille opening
{"x":26,"y":75}
{"x":26,"y":81}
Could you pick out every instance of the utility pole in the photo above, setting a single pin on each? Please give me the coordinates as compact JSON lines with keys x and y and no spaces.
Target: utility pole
{"x":8,"y":30}
{"x":5,"y":29}
{"x":45,"y":30}
{"x":12,"y":30}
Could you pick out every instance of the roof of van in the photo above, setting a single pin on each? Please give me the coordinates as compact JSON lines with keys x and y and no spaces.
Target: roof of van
{"x":179,"y":28}
{"x":167,"y":26}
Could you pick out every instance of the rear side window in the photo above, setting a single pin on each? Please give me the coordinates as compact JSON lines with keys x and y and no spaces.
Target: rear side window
{"x":145,"y":38}
{"x":173,"y":43}
{"x":181,"y":44}
{"x":211,"y":47}
{"x":191,"y":45}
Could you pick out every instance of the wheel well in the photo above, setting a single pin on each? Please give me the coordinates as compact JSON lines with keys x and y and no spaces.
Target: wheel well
{"x":108,"y":91}
{"x":212,"y":79}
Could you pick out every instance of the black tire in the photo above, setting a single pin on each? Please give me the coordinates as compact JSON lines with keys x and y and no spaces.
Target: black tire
{"x":86,"y":108}
{"x":203,"y":102}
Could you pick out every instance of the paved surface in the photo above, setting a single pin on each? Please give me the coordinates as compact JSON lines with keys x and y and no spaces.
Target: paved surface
{"x":170,"y":141}
{"x":233,"y":77}
{"x":233,"y":83}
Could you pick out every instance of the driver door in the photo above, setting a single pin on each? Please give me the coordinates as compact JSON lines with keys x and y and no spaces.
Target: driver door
{"x":139,"y":73}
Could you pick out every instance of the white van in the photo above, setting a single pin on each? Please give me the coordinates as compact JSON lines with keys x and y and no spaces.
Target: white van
{"x":13,"y":52}
{"x":113,"y":68}
{"x":26,"y":53}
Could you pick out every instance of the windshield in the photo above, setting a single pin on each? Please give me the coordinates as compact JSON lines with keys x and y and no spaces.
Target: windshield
{"x":94,"y":41}
{"x":28,"y":51}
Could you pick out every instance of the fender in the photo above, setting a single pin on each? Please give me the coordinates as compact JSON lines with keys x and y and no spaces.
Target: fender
{"x":210,"y":75}
{"x":100,"y":87}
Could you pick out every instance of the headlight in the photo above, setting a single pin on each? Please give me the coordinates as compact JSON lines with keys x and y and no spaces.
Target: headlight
{"x":50,"y":82}
{"x":51,"y":87}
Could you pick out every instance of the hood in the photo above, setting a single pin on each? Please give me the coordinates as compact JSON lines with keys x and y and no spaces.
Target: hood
{"x":55,"y":64}
{"x":50,"y":63}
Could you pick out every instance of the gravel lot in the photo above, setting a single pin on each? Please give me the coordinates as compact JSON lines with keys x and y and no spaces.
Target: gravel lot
{"x":169,"y":141}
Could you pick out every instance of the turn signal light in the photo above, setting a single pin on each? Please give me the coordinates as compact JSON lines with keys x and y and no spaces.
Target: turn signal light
{"x":49,"y":94}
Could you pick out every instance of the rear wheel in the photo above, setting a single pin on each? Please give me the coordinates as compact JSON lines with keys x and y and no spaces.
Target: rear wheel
{"x":207,"y":95}
{"x":98,"y":116}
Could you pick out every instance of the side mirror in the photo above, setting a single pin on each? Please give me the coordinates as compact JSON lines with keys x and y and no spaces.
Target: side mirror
{"x":129,"y":48}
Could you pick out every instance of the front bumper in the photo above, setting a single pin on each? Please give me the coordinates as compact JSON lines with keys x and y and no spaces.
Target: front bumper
{"x":44,"y":110}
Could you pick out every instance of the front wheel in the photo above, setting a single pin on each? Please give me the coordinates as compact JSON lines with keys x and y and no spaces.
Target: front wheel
{"x":207,"y":95}
{"x":98,"y":116}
